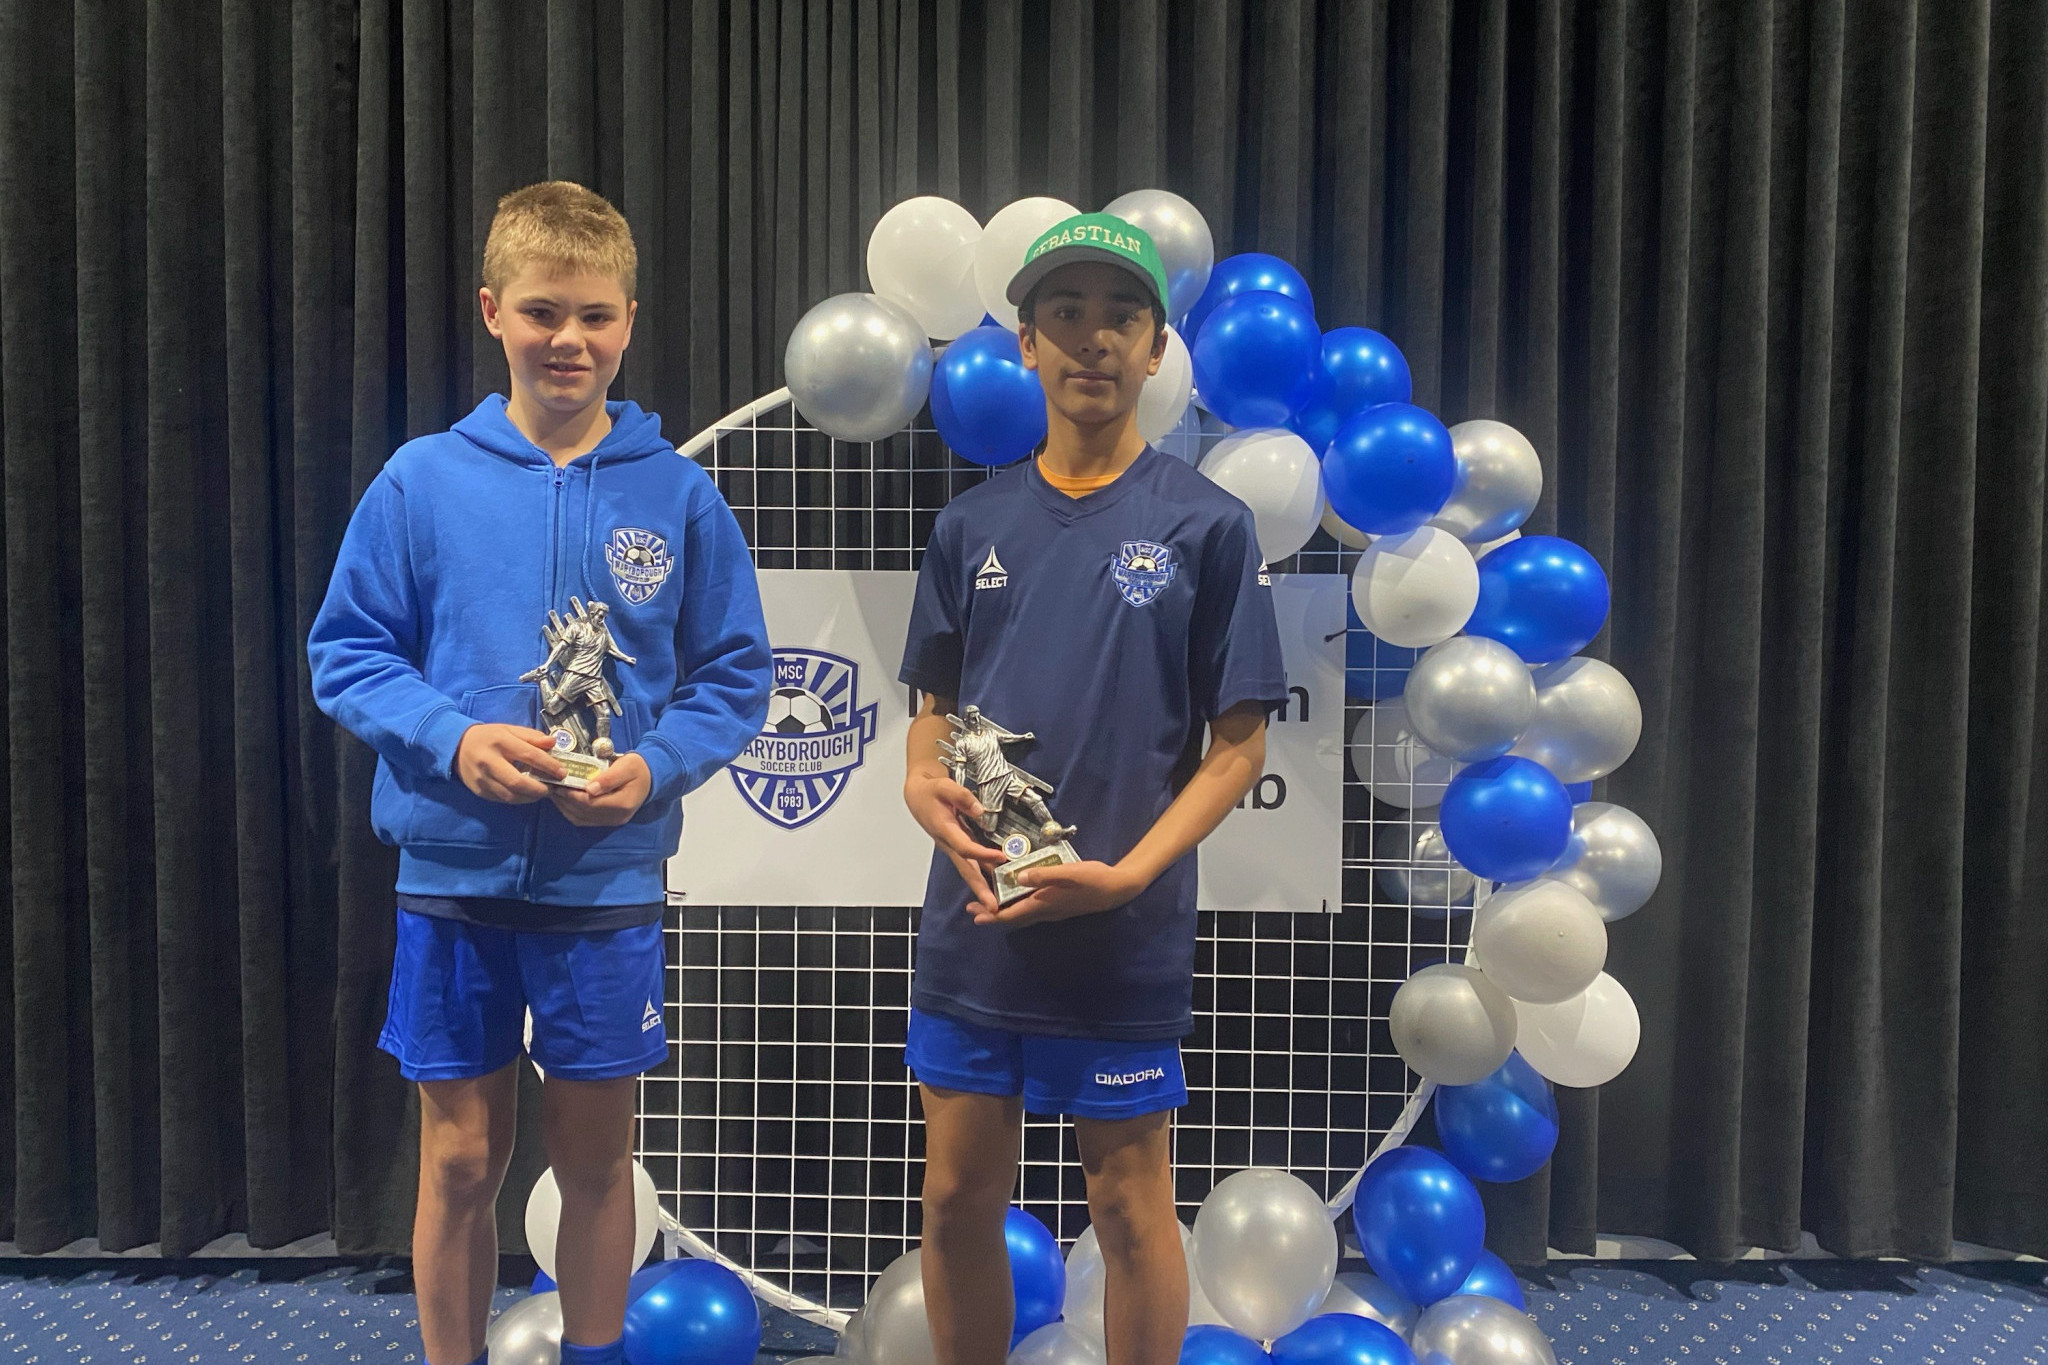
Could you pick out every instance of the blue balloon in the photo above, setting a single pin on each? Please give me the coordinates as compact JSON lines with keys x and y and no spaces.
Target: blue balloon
{"x":987,"y":406}
{"x":1245,"y":273}
{"x":1038,"y":1273}
{"x":1579,"y":791}
{"x":543,"y":1283}
{"x":1500,"y":1129}
{"x":1506,"y":819}
{"x":1342,"y":1339}
{"x":1490,"y":1276}
{"x":1389,"y":469}
{"x":1420,"y":1222}
{"x":1360,"y":368}
{"x":1373,"y":669}
{"x":1255,"y":360}
{"x":1541,"y":596}
{"x":1211,"y":1345}
{"x":694,"y":1313}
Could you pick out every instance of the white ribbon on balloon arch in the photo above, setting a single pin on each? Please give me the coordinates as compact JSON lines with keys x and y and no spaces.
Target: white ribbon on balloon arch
{"x":677,"y":1239}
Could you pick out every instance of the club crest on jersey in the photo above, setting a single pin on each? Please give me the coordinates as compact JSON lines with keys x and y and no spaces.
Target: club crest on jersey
{"x":817,"y":733}
{"x":639,"y":561}
{"x":1142,"y":569}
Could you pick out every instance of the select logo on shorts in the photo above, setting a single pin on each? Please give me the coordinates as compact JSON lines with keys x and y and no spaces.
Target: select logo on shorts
{"x":817,"y":734}
{"x":1142,"y":569}
{"x":651,"y":1019}
{"x":640,"y":563}
{"x":1150,"y":1073}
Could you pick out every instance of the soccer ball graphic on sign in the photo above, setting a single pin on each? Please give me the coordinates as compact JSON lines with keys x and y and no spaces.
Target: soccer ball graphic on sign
{"x":795,"y":711}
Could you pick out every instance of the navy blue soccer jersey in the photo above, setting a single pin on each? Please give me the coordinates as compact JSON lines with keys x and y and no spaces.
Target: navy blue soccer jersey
{"x":1114,"y":627}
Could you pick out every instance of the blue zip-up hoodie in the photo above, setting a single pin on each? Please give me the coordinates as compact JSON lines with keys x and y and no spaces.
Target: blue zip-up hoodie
{"x":452,"y":561}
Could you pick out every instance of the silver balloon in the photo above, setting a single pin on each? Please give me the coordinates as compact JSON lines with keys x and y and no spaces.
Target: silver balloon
{"x":1366,"y":1295}
{"x":1613,"y":859}
{"x":1499,"y":481}
{"x":1416,"y":870}
{"x":894,"y":1328}
{"x":1451,"y":1025}
{"x":858,"y":367}
{"x":1540,"y":942}
{"x":1059,"y":1343}
{"x":1086,"y":1278}
{"x":1265,"y":1251}
{"x":1393,"y":762}
{"x":527,"y":1333}
{"x":1471,"y":1329}
{"x":1180,"y":232}
{"x":1587,"y":720}
{"x":853,"y":1342}
{"x":1469,"y":698}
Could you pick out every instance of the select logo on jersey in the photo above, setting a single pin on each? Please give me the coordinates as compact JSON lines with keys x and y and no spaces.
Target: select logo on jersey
{"x":640,"y":563}
{"x":1142,"y":569}
{"x":991,"y":574}
{"x":1150,"y":1073}
{"x":817,"y":734}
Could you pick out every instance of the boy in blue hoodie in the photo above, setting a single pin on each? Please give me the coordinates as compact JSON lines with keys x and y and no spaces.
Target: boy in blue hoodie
{"x":515,"y":894}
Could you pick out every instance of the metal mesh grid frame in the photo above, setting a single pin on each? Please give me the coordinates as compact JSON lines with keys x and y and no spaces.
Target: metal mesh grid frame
{"x":783,"y":1132}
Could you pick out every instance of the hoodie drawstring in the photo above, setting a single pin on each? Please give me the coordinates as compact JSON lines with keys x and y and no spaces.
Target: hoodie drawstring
{"x":589,"y":517}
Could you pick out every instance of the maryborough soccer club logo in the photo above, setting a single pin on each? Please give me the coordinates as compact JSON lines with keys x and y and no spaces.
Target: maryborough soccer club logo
{"x":1142,"y":569}
{"x":640,"y":563}
{"x":817,"y":734}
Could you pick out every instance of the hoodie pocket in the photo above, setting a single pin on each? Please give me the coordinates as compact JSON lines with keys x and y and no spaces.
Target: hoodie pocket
{"x":444,"y":811}
{"x":646,"y":838}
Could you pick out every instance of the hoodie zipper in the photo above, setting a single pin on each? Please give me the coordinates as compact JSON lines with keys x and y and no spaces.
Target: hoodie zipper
{"x":554,"y":554}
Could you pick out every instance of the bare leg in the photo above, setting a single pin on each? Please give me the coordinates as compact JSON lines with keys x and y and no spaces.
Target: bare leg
{"x":588,"y":1130}
{"x":1130,"y":1202}
{"x":970,"y":1168}
{"x":465,"y":1144}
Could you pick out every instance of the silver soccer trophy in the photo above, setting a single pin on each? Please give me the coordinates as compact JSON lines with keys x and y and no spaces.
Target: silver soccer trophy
{"x":1014,"y":817}
{"x":576,"y":702}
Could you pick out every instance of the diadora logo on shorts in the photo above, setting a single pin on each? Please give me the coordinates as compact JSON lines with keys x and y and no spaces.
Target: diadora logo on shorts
{"x":1142,"y":569}
{"x":651,"y":1019}
{"x":817,"y":734}
{"x":640,"y":563}
{"x":991,"y":574}
{"x":1150,"y":1073}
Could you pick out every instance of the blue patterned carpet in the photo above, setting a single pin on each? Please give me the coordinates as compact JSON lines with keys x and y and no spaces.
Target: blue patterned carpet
{"x":1752,"y":1313}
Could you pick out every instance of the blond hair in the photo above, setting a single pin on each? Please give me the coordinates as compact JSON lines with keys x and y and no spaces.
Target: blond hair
{"x":562,"y":227}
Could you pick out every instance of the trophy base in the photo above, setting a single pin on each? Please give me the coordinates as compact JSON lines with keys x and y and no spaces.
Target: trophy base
{"x":1006,"y":886}
{"x":577,"y":769}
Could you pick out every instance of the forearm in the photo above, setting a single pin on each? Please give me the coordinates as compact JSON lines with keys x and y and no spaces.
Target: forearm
{"x":1235,"y":759}
{"x":927,"y":729}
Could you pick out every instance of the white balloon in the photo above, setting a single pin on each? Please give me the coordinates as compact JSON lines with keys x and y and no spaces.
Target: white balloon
{"x":1415,"y":589}
{"x":1588,"y":1040}
{"x":1265,"y":1251}
{"x":1541,"y":941}
{"x":1273,"y":472}
{"x":1342,"y":531}
{"x":1499,"y":481}
{"x":1085,"y":1279}
{"x":1059,"y":1343}
{"x":1452,"y":1025}
{"x":1393,"y":762}
{"x":921,"y":255}
{"x":1164,"y":399}
{"x":999,"y":254}
{"x":1613,"y":859}
{"x":1587,"y":720}
{"x":544,"y":1218}
{"x":527,"y":1333}
{"x":893,"y":1326}
{"x":1365,"y":1295}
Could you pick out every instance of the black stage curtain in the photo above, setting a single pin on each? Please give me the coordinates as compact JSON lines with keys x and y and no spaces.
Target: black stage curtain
{"x":1765,"y":280}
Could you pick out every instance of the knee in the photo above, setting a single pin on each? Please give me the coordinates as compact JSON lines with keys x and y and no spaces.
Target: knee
{"x":958,"y":1199}
{"x":462,"y":1169}
{"x":1125,"y":1219}
{"x":593,"y":1179}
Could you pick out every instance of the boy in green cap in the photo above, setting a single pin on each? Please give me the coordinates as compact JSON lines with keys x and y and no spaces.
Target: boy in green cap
{"x":1102,"y":603}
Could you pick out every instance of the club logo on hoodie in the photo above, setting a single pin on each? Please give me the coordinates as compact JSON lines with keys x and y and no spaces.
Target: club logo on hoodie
{"x":640,"y":562}
{"x":816,"y":735}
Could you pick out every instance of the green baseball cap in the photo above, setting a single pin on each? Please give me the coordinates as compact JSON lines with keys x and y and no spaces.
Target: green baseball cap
{"x":1092,"y":237}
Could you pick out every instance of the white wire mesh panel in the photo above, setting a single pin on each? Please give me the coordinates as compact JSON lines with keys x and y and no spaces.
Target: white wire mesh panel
{"x":784,"y":1132}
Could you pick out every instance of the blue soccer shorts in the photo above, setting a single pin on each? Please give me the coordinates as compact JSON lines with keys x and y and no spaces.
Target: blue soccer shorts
{"x":460,"y":993}
{"x":1089,"y":1078}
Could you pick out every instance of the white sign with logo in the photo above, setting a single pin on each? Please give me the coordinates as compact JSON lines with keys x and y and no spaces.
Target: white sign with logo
{"x":812,"y":812}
